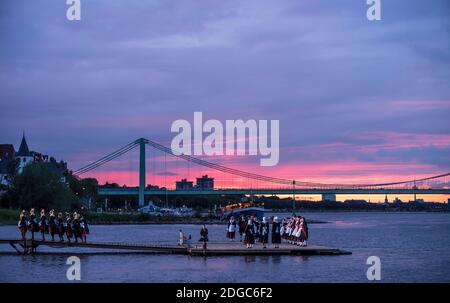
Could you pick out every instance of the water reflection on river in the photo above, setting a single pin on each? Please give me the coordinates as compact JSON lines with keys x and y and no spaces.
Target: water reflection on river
{"x":413,"y":247}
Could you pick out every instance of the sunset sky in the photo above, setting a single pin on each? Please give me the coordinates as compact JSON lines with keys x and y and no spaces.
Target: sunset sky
{"x":357,"y":101}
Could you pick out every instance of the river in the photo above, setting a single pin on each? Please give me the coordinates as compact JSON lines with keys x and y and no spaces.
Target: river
{"x":412,"y":247}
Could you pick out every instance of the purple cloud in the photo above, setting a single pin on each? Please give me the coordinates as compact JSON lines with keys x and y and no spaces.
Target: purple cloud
{"x":130,"y":68}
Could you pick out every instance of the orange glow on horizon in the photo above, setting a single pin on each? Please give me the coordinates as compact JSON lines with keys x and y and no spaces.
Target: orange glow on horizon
{"x":342,"y":173}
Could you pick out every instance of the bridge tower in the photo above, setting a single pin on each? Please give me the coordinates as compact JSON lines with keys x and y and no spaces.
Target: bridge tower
{"x":293,"y":197}
{"x":142,"y":183}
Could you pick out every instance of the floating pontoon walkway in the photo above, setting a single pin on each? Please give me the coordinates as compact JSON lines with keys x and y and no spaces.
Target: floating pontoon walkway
{"x":229,"y":249}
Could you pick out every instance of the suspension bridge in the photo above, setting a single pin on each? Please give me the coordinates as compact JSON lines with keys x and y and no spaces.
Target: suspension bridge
{"x":266,"y":185}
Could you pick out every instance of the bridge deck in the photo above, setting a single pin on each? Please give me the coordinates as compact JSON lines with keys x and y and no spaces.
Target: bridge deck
{"x":299,"y":191}
{"x":195,"y":249}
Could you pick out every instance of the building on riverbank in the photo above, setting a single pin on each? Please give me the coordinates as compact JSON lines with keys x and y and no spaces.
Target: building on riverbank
{"x":6,"y":154}
{"x":184,"y":184}
{"x":205,"y":182}
{"x":24,"y":156}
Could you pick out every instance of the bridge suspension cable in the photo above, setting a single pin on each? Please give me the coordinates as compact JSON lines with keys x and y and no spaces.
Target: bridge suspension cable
{"x":236,"y":172}
{"x":106,"y":158}
{"x":219,"y":167}
{"x":278,"y":180}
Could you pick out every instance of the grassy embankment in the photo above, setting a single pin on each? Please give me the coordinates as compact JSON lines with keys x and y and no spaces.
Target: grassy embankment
{"x":10,"y":217}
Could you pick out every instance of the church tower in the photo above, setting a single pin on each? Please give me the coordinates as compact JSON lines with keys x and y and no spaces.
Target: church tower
{"x":24,"y":155}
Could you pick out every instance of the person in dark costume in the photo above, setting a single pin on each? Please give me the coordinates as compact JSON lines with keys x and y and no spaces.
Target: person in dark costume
{"x":231,"y":229}
{"x":68,"y":227}
{"x":241,"y":224}
{"x":276,"y":233}
{"x":250,"y":233}
{"x":32,"y":224}
{"x":84,"y":228}
{"x":204,"y":236}
{"x":76,"y":227}
{"x":264,"y":232}
{"x":43,"y":225}
{"x":52,"y":228}
{"x":22,"y":225}
{"x":60,"y":226}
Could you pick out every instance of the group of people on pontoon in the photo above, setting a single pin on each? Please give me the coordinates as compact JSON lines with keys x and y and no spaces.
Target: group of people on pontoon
{"x":295,"y":230}
{"x":73,"y":226}
{"x":251,"y":229}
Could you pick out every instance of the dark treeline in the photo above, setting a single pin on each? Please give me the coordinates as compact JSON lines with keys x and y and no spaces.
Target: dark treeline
{"x":45,"y":185}
{"x":271,"y":202}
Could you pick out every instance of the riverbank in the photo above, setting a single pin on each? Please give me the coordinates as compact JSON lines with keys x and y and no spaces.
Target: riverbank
{"x":10,"y":217}
{"x":360,"y":210}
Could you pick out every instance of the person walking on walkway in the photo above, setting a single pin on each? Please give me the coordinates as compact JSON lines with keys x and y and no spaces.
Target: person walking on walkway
{"x":204,"y":237}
